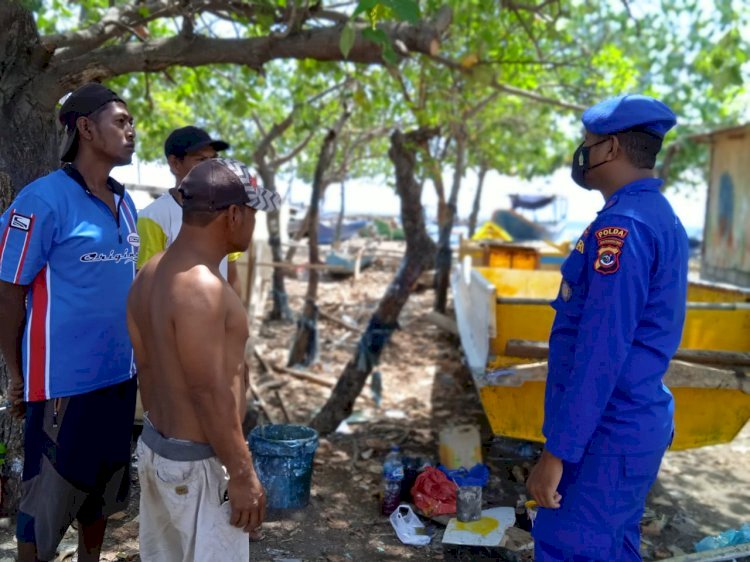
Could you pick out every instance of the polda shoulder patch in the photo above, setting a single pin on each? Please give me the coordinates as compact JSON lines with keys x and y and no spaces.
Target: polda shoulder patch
{"x":610,"y":241}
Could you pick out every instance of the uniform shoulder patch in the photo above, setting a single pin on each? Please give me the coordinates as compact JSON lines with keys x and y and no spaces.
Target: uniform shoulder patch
{"x":20,"y":222}
{"x":581,"y":245}
{"x":611,"y":232}
{"x":610,"y":241}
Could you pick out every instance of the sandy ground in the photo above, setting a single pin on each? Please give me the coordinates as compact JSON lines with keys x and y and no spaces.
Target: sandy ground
{"x":425,"y":388}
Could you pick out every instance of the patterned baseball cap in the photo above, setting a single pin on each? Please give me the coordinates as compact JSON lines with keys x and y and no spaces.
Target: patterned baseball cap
{"x":217,"y":183}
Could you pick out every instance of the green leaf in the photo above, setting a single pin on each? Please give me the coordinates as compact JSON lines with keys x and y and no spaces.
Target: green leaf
{"x":364,"y":6}
{"x":376,"y":36}
{"x":348,"y":35}
{"x":405,"y":10}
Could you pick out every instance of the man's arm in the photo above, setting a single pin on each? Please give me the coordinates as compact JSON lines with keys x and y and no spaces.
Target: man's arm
{"x":27,"y":232}
{"x":619,"y":262}
{"x":203,"y":310}
{"x":13,"y":305}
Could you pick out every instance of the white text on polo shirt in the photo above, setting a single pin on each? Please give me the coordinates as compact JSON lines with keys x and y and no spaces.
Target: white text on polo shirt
{"x":126,"y":256}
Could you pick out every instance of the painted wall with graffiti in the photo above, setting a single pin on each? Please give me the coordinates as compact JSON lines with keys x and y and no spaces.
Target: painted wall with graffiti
{"x":726,"y":240}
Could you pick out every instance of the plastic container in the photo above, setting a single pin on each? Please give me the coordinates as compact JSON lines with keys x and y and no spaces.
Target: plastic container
{"x":393,"y":477}
{"x":469,"y":503}
{"x":283,"y":458}
{"x":460,"y":447}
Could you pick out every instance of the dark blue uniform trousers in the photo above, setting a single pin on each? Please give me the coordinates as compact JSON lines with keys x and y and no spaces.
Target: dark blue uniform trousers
{"x":603,"y":499}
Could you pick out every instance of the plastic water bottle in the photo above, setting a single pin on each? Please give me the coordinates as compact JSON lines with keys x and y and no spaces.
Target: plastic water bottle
{"x":393,"y":476}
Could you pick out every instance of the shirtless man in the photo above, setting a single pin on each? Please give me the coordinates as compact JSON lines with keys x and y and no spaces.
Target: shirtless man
{"x":199,"y":490}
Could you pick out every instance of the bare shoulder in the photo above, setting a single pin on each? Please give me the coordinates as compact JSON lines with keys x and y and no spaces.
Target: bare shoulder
{"x":198,"y":291}
{"x":143,"y":280}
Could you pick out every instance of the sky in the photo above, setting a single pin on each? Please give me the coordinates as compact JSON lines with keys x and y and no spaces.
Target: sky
{"x":366,"y":197}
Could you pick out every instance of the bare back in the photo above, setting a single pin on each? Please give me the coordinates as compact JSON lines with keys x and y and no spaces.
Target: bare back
{"x":189,"y":331}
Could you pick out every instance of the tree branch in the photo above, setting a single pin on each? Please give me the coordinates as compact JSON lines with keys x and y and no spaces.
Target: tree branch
{"x":114,"y":22}
{"x":509,"y":89}
{"x":319,"y":44}
{"x":472,"y":111}
{"x":278,"y":162}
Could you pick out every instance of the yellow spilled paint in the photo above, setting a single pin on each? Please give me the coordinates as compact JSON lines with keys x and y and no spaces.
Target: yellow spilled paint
{"x":482,"y":527}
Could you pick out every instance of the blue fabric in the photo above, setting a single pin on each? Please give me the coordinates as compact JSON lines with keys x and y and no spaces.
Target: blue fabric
{"x":603,"y":498}
{"x":627,"y":112}
{"x":477,"y":475}
{"x":620,"y":313}
{"x":79,"y":261}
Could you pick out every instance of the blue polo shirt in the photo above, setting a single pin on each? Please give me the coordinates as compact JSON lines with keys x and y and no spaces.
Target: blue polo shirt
{"x":79,"y":261}
{"x":620,"y":314}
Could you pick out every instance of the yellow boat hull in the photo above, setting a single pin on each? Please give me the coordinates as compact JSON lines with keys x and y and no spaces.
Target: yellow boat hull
{"x":703,"y":416}
{"x":711,"y":405}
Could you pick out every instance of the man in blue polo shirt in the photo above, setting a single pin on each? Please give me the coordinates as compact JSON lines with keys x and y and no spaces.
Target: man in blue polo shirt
{"x":68,"y":251}
{"x":620,"y":313}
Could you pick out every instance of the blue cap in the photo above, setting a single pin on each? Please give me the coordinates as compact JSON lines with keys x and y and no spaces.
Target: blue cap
{"x":627,"y":113}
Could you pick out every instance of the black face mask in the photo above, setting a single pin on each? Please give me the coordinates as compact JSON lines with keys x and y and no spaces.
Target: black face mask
{"x":581,"y":164}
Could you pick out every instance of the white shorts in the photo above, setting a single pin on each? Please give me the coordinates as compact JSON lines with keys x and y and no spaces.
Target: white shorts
{"x":183,"y":514}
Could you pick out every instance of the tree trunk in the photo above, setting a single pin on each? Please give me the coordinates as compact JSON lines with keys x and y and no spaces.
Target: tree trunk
{"x":385,"y":319}
{"x":28,"y":150}
{"x":443,"y":258}
{"x":339,"y":220}
{"x":477,"y":201}
{"x":305,"y":344}
{"x":280,"y":310}
{"x":303,"y":230}
{"x":435,"y":173}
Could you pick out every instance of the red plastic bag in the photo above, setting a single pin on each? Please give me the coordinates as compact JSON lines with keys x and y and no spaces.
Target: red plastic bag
{"x":433,"y":493}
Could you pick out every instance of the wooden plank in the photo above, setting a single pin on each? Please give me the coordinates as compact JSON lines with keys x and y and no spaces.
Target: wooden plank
{"x":283,"y":407}
{"x":262,"y":361}
{"x":287,"y":265}
{"x":261,"y":403}
{"x":304,"y":376}
{"x":540,"y":350}
{"x":442,"y":321}
{"x":331,"y":318}
{"x":727,"y":306}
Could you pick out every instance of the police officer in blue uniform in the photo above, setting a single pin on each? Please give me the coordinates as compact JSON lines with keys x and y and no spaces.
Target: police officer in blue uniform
{"x":619,"y":318}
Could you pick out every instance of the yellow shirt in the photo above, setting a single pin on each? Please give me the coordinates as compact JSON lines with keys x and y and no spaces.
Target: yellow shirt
{"x":158,"y":226}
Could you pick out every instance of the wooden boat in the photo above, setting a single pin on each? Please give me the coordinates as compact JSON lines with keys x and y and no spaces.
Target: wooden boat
{"x":502,"y":312}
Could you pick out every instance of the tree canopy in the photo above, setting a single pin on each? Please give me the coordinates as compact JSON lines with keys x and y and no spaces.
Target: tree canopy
{"x":237,"y":67}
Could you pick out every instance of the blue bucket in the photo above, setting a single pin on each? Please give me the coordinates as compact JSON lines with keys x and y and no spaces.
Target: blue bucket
{"x":283,"y":458}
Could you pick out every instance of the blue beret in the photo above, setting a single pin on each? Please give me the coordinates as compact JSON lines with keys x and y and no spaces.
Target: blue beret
{"x":629,"y":112}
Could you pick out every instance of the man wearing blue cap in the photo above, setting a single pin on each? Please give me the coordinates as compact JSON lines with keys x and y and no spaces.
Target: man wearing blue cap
{"x":620,"y":313}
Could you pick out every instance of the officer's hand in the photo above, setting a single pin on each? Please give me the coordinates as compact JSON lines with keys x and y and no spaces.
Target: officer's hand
{"x":544,"y":480}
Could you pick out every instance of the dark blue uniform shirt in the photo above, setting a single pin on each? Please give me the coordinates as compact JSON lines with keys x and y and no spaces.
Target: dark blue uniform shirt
{"x":620,"y":313}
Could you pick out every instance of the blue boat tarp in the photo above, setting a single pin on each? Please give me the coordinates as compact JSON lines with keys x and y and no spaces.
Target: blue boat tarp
{"x":327,"y":233}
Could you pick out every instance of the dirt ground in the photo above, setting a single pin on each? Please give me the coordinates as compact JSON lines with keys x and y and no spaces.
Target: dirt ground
{"x":425,"y":388}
